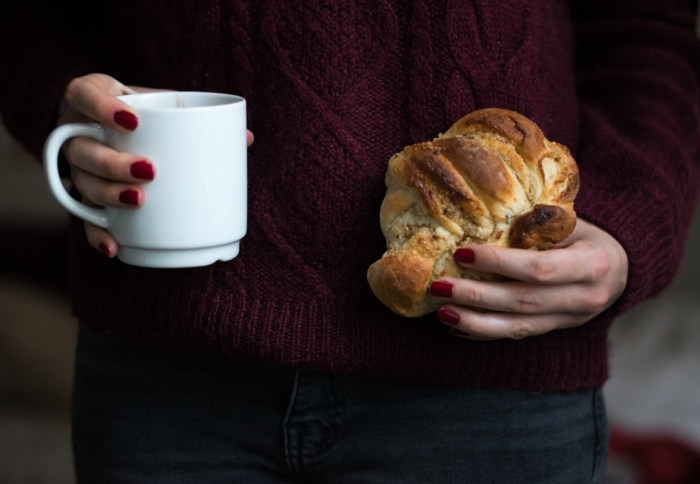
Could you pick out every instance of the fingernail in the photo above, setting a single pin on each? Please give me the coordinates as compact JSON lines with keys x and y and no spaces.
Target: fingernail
{"x":127,"y":120}
{"x":447,"y":316}
{"x":458,"y":333}
{"x":130,"y":197}
{"x":105,"y":250}
{"x":464,"y":256}
{"x":142,"y":170}
{"x":441,"y":289}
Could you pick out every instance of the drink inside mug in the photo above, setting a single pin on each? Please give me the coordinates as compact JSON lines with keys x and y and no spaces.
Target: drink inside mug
{"x":176,"y":99}
{"x":195,"y":211}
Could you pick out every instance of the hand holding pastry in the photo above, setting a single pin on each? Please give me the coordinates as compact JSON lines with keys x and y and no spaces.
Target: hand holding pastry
{"x":554,"y":289}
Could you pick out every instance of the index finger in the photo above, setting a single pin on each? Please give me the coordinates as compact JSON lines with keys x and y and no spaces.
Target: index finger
{"x":96,"y":97}
{"x":554,"y":266}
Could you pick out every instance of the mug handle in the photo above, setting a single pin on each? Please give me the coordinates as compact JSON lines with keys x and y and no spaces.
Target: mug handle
{"x":56,"y":139}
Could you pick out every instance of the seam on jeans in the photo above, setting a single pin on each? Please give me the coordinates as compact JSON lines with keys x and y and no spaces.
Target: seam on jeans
{"x":599,"y":436}
{"x":285,"y":426}
{"x":340,"y":395}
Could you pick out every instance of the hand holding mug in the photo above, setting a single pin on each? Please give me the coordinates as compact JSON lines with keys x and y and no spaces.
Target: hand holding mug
{"x":116,"y":178}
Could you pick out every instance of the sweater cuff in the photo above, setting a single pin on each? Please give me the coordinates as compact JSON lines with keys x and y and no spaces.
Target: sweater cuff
{"x":643,"y":228}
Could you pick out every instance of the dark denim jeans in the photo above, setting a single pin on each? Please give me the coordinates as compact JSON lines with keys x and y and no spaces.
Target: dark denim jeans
{"x":142,"y":415}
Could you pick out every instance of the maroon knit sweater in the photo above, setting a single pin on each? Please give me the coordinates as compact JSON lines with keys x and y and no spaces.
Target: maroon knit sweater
{"x":334,"y":89}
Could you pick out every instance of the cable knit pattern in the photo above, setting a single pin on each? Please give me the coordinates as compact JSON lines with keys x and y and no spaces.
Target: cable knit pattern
{"x":334,"y":89}
{"x":504,"y":48}
{"x":421,"y":80}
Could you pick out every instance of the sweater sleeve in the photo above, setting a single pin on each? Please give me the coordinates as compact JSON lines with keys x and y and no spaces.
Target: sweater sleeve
{"x":637,"y":66}
{"x":43,"y":45}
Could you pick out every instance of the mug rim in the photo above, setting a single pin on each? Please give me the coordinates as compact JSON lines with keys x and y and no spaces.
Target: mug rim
{"x":229,"y":100}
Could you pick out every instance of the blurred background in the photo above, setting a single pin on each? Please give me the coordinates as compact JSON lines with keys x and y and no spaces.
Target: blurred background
{"x":37,"y":331}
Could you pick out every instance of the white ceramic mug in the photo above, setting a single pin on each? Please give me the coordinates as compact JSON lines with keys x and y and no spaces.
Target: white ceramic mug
{"x":194,"y":212}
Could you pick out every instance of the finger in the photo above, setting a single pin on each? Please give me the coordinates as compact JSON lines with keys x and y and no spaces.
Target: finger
{"x":98,"y":237}
{"x":459,"y":334}
{"x":554,"y":266}
{"x":106,"y":193}
{"x":100,"y":160}
{"x":143,"y":90}
{"x":493,"y":325}
{"x":73,"y":116}
{"x":520,"y":297}
{"x":95,"y":96}
{"x":249,"y":137}
{"x":581,"y":231}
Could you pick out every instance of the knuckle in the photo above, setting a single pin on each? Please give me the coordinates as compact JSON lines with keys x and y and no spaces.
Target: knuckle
{"x":597,"y":301}
{"x":600,"y":267}
{"x":77,"y":175}
{"x":73,"y":88}
{"x":494,"y":258}
{"x":477,"y":329}
{"x":526,"y":302}
{"x":472,"y":294}
{"x":101,"y":105}
{"x":72,"y":150}
{"x":85,"y":185}
{"x":93,"y":233}
{"x":111,"y":165}
{"x":522,"y":329}
{"x":543,"y":270}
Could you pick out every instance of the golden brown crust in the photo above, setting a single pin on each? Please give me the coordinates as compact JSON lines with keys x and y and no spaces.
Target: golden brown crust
{"x":400,"y":282}
{"x":570,"y":179}
{"x":522,"y":133}
{"x":482,"y":167}
{"x":440,"y":185}
{"x":493,"y":179}
{"x":395,"y":202}
{"x":544,"y":225}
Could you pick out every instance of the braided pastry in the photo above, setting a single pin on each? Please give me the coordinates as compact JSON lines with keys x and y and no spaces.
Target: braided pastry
{"x":492,"y":178}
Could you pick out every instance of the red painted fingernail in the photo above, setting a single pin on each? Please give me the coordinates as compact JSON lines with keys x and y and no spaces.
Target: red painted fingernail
{"x":441,"y":289}
{"x":130,"y":197}
{"x":458,"y":333}
{"x":127,"y":120}
{"x":105,"y":250}
{"x":142,"y":170}
{"x":464,"y":256}
{"x":447,"y":316}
